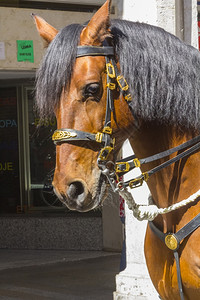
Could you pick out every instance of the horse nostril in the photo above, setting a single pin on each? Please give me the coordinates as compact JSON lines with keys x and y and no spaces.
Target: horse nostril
{"x":76,"y":191}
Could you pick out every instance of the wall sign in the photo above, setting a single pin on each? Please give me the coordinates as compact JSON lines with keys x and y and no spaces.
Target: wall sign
{"x":25,"y":51}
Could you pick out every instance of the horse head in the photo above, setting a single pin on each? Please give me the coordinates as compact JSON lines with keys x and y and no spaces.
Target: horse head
{"x":78,"y":181}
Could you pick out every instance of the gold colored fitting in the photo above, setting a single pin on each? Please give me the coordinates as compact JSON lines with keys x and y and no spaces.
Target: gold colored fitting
{"x":111,"y":85}
{"x":109,"y":67}
{"x":136,"y":162}
{"x":118,"y":164}
{"x":107,"y":130}
{"x":60,"y":135}
{"x":125,"y":87}
{"x":171,"y":242}
{"x":98,"y":137}
{"x":128,"y":97}
{"x":105,"y":152}
{"x":136,"y":183}
{"x":146,"y":176}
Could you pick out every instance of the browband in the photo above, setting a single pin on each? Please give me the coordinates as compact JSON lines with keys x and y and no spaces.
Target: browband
{"x":94,"y":51}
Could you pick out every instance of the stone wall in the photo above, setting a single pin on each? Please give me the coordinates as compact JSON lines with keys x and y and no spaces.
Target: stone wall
{"x":51,"y":232}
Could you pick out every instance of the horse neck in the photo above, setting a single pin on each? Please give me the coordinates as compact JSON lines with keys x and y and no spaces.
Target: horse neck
{"x":177,"y":181}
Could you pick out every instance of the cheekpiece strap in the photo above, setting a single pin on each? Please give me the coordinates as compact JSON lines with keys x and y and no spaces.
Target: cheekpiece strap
{"x":94,"y":51}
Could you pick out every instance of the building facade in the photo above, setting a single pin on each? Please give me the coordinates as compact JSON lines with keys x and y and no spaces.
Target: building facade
{"x":28,"y":206}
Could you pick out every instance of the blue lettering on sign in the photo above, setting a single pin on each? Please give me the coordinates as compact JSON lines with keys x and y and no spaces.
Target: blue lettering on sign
{"x":7,"y":123}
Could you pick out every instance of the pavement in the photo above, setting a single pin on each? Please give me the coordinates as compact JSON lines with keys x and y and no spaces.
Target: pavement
{"x":57,"y":274}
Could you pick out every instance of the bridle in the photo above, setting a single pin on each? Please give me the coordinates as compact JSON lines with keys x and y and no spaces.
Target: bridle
{"x":114,"y":170}
{"x":105,"y":140}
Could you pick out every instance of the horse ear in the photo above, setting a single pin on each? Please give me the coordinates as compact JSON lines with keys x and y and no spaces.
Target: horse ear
{"x":98,"y":28}
{"x":46,"y":31}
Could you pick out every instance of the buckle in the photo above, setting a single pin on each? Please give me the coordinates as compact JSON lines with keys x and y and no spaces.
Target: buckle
{"x":111,"y":85}
{"x":145,"y":176}
{"x":98,"y":137}
{"x":171,"y":242}
{"x":136,"y":162}
{"x":122,"y":167}
{"x":110,"y":67}
{"x":137,"y":182}
{"x":128,"y":97}
{"x":104,"y":153}
{"x":123,"y":84}
{"x":107,"y":130}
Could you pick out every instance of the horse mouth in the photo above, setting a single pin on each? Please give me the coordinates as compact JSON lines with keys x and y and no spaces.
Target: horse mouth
{"x":79,"y":198}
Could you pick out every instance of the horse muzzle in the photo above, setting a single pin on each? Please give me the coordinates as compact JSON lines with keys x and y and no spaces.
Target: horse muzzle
{"x":77,"y":197}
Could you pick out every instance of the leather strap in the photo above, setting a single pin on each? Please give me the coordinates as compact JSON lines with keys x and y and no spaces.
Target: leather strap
{"x":178,"y":271}
{"x":188,"y":228}
{"x":94,"y":51}
{"x":158,"y":155}
{"x":72,"y":135}
{"x":179,"y":236}
{"x":141,"y":178}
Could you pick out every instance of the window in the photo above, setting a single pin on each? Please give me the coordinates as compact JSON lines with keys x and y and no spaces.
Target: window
{"x":27,"y":154}
{"x":41,"y":157}
{"x":9,"y":151}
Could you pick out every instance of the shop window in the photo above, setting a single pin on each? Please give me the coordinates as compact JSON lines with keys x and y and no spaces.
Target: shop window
{"x":9,"y":151}
{"x":42,"y":159}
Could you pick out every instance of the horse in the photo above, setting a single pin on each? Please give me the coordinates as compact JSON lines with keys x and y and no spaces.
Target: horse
{"x":109,"y":80}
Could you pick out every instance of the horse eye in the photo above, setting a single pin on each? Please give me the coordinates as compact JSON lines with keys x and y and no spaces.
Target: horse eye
{"x":92,"y":90}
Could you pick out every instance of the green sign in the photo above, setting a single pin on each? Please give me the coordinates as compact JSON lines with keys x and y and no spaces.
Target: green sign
{"x":25,"y":51}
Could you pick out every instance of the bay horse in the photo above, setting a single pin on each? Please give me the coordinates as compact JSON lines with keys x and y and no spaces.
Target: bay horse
{"x":110,"y":80}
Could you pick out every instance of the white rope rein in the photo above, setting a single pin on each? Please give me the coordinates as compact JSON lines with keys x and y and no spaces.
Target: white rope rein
{"x":150,"y":212}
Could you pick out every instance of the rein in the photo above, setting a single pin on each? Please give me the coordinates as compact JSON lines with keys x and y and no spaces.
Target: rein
{"x":105,"y":140}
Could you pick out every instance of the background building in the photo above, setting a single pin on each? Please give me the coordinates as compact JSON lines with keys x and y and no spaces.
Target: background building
{"x":31,"y":215}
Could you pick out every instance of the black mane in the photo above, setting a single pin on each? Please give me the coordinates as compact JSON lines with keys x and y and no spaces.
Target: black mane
{"x":163,"y":73}
{"x":55,"y":70}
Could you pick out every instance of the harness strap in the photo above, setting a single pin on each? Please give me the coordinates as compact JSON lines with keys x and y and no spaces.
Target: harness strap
{"x":173,"y":240}
{"x":123,"y":164}
{"x":145,"y":176}
{"x":94,"y":51}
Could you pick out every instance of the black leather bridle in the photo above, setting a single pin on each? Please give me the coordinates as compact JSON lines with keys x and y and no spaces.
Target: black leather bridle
{"x":104,"y":138}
